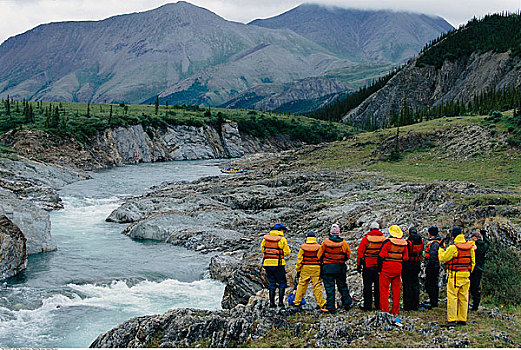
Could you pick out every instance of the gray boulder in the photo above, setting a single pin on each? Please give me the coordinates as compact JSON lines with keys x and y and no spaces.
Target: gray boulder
{"x":13,"y":254}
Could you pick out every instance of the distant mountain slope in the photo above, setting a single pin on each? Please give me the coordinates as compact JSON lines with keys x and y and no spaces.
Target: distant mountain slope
{"x":484,"y":55}
{"x":180,"y":52}
{"x":361,"y":35}
{"x":133,"y":57}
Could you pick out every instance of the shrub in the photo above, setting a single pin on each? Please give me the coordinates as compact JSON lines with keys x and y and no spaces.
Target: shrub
{"x":502,"y":277}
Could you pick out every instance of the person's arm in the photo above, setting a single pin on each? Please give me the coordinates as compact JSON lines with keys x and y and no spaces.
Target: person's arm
{"x":406,"y":254}
{"x":263,"y":244}
{"x":300,"y":257}
{"x":448,"y":254}
{"x":473,"y":259}
{"x":321,"y":251}
{"x":283,"y":244}
{"x":361,"y":251}
{"x":347,"y":251}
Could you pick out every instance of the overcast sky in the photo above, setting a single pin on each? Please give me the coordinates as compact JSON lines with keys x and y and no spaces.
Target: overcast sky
{"x":18,"y":16}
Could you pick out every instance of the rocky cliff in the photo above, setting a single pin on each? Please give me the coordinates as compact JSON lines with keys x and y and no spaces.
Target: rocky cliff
{"x":427,"y":86}
{"x":13,"y":254}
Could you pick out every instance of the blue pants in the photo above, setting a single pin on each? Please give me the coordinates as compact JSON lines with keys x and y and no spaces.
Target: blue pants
{"x":276,"y":276}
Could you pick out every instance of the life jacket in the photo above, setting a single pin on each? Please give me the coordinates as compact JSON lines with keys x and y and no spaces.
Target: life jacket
{"x":374,"y":244}
{"x":428,"y":248}
{"x":415,"y":251}
{"x":333,"y":253}
{"x":310,"y":254}
{"x":462,"y":262}
{"x":397,"y":249}
{"x":271,"y":248}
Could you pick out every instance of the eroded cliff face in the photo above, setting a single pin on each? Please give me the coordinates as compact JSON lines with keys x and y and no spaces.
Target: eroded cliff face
{"x":134,"y":144}
{"x":422,"y":87}
{"x":13,"y":254}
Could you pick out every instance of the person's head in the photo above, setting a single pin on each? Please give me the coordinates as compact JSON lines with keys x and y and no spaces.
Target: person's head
{"x":433,"y":231}
{"x":335,"y":229}
{"x":413,"y":231}
{"x":374,"y":226}
{"x":456,"y":231}
{"x":476,"y":235}
{"x":311,"y":234}
{"x":395,"y":231}
{"x":279,"y":227}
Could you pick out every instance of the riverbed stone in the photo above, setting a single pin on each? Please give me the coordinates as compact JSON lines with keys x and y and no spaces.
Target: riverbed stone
{"x":13,"y":253}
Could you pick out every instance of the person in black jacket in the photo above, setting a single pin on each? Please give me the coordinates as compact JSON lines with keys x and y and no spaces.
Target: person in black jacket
{"x":432,"y":266}
{"x":411,"y":270}
{"x":482,"y":246}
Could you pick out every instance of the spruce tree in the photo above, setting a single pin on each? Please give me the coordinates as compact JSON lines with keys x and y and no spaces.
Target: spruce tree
{"x":156,"y":104}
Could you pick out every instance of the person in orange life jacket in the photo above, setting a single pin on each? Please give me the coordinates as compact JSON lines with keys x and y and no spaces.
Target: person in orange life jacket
{"x":460,"y":259}
{"x":432,"y":266}
{"x":333,"y":254}
{"x":275,"y":248}
{"x":411,"y":270}
{"x":366,"y":263}
{"x":390,"y":258}
{"x":308,"y":266}
{"x":482,"y":245}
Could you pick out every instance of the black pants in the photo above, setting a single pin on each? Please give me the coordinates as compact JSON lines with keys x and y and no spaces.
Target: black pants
{"x":371,"y":278}
{"x":432,"y":277}
{"x":411,"y":285}
{"x":276,"y":276}
{"x":331,"y":274}
{"x":475,"y":292}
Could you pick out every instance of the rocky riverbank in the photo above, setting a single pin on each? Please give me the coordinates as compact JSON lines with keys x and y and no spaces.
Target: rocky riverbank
{"x":43,"y":164}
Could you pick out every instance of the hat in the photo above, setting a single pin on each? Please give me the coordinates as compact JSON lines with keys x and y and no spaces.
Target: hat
{"x":433,"y":231}
{"x":413,"y":230}
{"x":335,"y":229}
{"x":279,"y":227}
{"x":395,"y":231}
{"x":374,"y":226}
{"x":456,"y":231}
{"x":476,"y":234}
{"x":311,"y":234}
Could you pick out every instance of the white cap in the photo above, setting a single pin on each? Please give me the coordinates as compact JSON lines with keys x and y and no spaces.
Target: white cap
{"x":374,"y":226}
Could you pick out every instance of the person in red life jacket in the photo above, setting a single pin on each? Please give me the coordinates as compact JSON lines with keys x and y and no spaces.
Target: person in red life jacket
{"x":367,"y":264}
{"x":333,"y":254}
{"x":275,"y":248}
{"x":390,"y":258}
{"x":308,"y":265}
{"x":432,"y":266}
{"x":460,"y":258}
{"x":411,"y":271}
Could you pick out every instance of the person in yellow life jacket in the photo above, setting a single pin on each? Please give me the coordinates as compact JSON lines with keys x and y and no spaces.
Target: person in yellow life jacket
{"x":392,"y":255}
{"x":275,"y":248}
{"x":333,"y":254}
{"x":308,"y":266}
{"x":460,"y":258}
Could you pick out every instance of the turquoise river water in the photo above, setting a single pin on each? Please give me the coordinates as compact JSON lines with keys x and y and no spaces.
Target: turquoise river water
{"x":99,"y":277}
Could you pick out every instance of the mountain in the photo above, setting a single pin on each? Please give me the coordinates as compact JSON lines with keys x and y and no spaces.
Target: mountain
{"x":458,"y":70}
{"x":179,"y":52}
{"x":361,"y":35}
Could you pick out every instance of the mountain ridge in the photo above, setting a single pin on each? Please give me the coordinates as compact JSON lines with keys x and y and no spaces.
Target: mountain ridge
{"x":163,"y":52}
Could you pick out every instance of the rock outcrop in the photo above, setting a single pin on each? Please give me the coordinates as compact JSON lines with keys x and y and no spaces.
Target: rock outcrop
{"x":427,"y":86}
{"x":13,"y":254}
{"x":136,"y":144}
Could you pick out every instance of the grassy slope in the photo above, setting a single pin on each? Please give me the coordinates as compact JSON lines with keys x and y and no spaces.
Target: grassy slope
{"x":502,"y":168}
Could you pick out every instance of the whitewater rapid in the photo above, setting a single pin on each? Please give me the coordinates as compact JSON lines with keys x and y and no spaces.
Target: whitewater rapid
{"x":99,"y":277}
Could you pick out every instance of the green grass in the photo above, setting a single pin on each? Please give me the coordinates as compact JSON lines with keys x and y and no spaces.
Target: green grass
{"x":498,"y":169}
{"x":75,"y":122}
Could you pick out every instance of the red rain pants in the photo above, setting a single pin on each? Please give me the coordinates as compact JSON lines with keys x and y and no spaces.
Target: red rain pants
{"x":395,"y":281}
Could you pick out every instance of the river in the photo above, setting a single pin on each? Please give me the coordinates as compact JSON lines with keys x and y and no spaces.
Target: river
{"x":99,"y":277}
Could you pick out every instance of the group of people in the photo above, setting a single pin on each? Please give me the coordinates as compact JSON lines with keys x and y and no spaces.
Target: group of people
{"x":384,"y":262}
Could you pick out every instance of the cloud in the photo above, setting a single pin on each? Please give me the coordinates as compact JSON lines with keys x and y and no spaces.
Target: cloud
{"x":18,"y":16}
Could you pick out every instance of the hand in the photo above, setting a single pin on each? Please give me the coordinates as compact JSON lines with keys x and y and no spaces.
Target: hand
{"x":359,"y":268}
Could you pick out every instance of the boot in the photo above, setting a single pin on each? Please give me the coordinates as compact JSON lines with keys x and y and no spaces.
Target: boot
{"x":272,"y":298}
{"x":281,"y":296}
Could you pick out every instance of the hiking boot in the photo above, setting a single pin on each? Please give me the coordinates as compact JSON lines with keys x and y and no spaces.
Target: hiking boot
{"x":272,"y":298}
{"x":281,"y":297}
{"x":450,"y":324}
{"x":461,"y":323}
